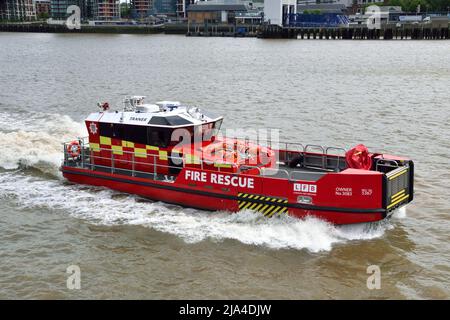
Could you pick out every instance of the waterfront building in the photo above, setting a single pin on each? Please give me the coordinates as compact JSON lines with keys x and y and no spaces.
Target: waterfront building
{"x":42,"y":7}
{"x":58,"y":8}
{"x":322,"y":8}
{"x":167,"y":7}
{"x":182,"y":6}
{"x":141,"y":9}
{"x":249,"y":17}
{"x":105,"y":9}
{"x":277,"y":11}
{"x":388,"y":14}
{"x":17,"y":10}
{"x":89,"y":9}
{"x":215,"y":12}
{"x":346,"y":3}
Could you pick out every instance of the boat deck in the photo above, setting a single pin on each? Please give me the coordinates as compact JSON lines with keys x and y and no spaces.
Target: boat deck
{"x":298,"y":173}
{"x":283,"y":172}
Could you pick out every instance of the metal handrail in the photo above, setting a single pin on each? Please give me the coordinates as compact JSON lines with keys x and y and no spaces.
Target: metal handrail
{"x":336,"y":155}
{"x":155,"y":173}
{"x":286,"y":144}
{"x":289,"y":175}
{"x":303,"y":148}
{"x":323,"y":156}
{"x":277,"y":170}
{"x":335,"y":148}
{"x":292,"y":174}
{"x":85,"y":146}
{"x":207,"y":162}
{"x":387,"y":162}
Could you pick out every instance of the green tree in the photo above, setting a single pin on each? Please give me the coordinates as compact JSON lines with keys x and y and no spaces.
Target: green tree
{"x":125,"y":10}
{"x":43,"y":16}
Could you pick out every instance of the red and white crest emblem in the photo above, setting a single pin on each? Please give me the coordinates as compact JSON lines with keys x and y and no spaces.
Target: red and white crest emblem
{"x":93,"y":128}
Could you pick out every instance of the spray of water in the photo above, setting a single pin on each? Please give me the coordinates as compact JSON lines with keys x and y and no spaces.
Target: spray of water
{"x":35,"y":140}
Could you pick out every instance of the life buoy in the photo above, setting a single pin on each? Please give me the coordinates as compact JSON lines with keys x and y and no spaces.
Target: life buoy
{"x":74,"y":149}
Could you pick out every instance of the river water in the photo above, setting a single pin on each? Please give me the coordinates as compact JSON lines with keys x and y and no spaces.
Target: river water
{"x":392,"y":96}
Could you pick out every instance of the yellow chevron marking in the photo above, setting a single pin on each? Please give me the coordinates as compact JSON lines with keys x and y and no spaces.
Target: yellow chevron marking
{"x":152,"y":148}
{"x":266,"y":213}
{"x":398,"y":174}
{"x":398,"y":194}
{"x":222,"y":165}
{"x":258,"y":207}
{"x":246,"y":206}
{"x":117,"y":150}
{"x":130,"y":144}
{"x":253,"y":206}
{"x":267,"y":210}
{"x":274,"y":211}
{"x":94,"y":146}
{"x":163,"y":155}
{"x":105,"y":140}
{"x":398,"y":201}
{"x":140,"y":153}
{"x":192,"y":159}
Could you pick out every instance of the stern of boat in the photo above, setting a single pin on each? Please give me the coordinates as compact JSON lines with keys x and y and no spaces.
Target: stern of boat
{"x":398,"y":183}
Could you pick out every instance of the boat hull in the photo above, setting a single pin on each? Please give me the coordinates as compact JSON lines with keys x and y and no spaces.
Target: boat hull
{"x":202,"y":197}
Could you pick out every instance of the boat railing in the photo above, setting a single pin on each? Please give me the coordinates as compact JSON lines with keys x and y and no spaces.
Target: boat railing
{"x":291,"y":175}
{"x":295,"y":146}
{"x":314,"y":156}
{"x":87,"y":159}
{"x":269,"y":143}
{"x":386,"y":165}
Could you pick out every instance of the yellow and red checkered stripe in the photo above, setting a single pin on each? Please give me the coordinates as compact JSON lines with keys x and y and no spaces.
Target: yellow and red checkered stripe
{"x":118,"y":147}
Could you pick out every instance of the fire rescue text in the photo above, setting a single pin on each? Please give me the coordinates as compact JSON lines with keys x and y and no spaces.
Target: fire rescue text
{"x":218,"y":178}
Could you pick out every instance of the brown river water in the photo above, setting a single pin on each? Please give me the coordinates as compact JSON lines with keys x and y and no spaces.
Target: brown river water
{"x":392,"y":96}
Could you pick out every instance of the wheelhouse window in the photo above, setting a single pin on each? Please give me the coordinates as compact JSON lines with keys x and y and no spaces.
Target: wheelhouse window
{"x":159,"y":137}
{"x":182,"y":135}
{"x":138,"y":134}
{"x":215,"y":129}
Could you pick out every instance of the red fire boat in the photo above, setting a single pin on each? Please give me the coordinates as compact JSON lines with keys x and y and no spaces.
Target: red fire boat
{"x":174,"y":153}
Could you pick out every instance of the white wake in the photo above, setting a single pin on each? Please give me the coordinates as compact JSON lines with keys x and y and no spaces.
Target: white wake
{"x":102,"y":206}
{"x":36,"y":140}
